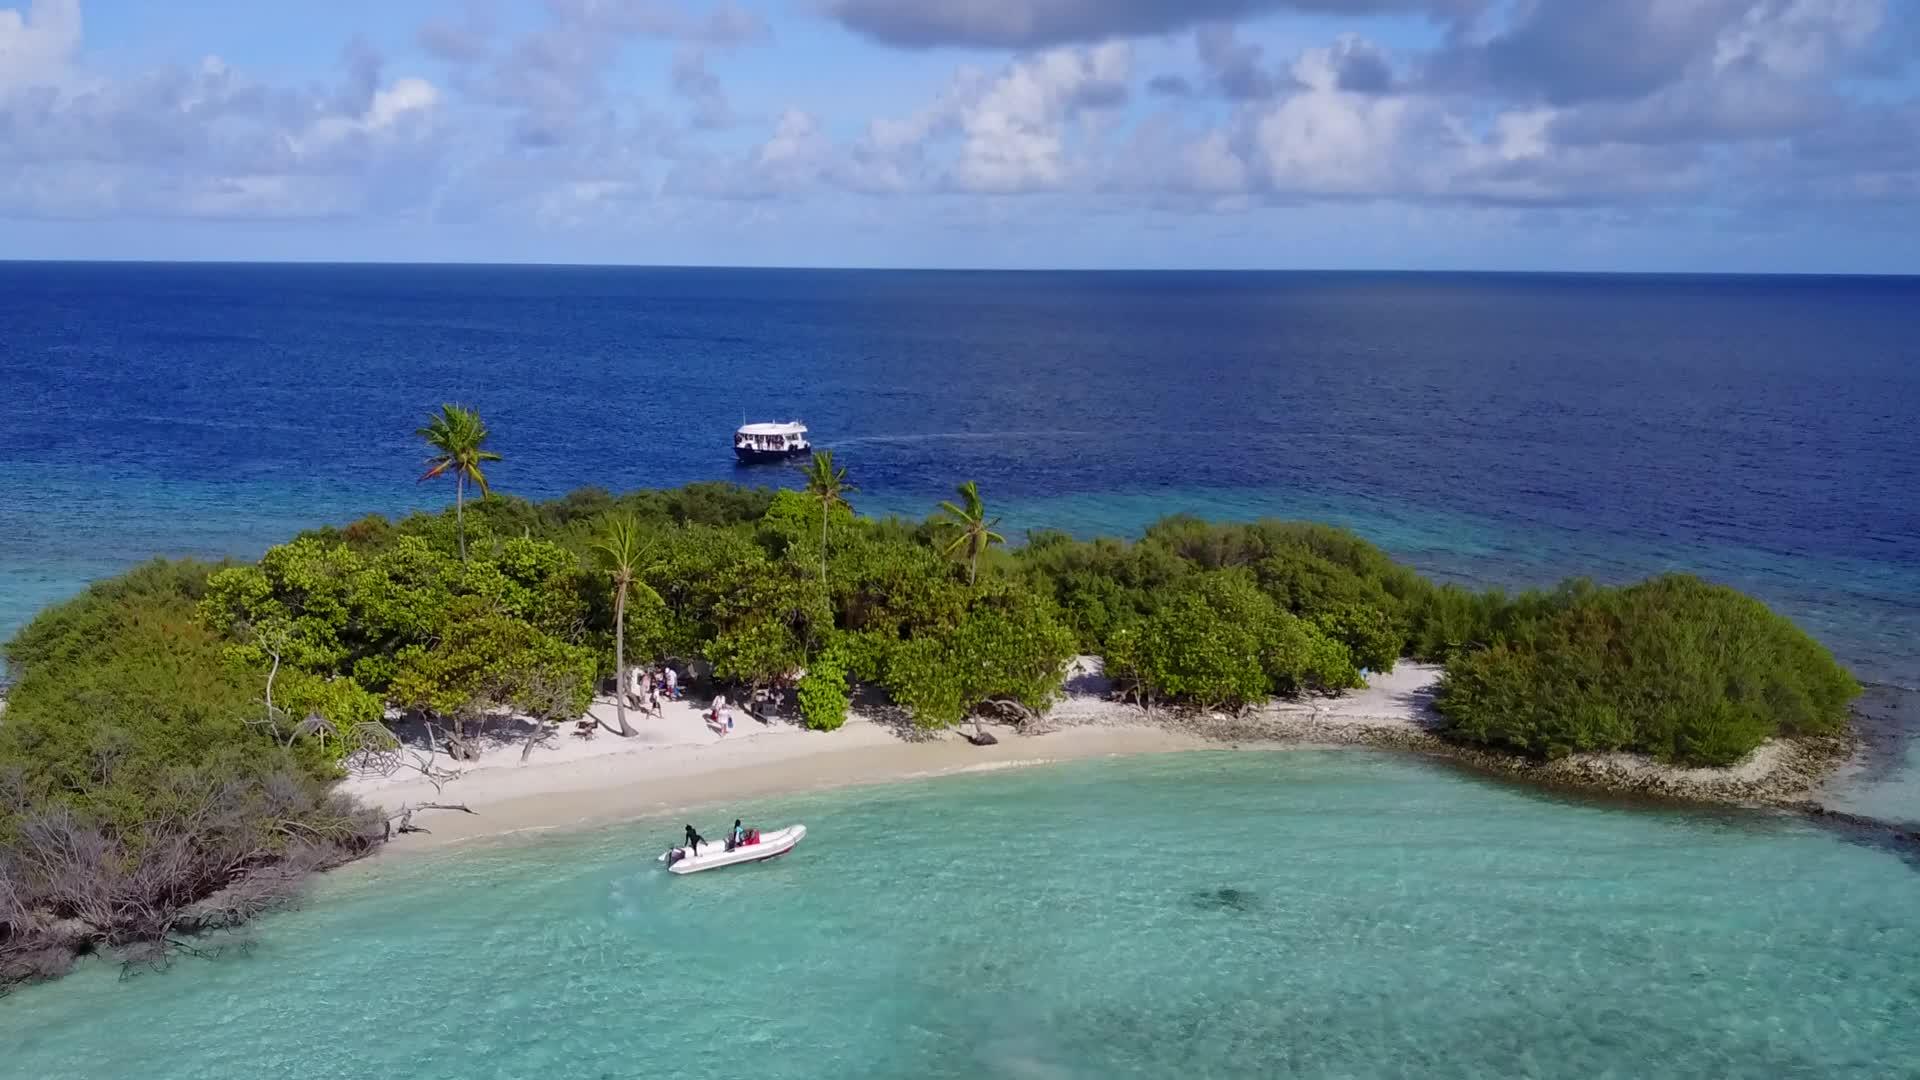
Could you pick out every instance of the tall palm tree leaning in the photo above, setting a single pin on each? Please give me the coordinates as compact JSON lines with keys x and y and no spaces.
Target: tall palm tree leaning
{"x":620,"y":548}
{"x":456,"y":435}
{"x":828,"y":485}
{"x":973,"y":532}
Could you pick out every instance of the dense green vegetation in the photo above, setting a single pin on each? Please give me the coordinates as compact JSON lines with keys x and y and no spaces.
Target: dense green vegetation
{"x":1673,"y":667}
{"x":783,"y":590}
{"x":141,"y":774}
{"x":178,"y":726}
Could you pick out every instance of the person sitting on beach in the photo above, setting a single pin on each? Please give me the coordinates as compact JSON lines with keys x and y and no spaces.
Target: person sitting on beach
{"x":694,"y":840}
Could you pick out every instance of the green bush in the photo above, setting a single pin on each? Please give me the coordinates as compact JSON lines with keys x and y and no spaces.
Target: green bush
{"x":1009,"y":647}
{"x":1204,"y":646}
{"x":1299,"y":657}
{"x":1100,"y":586}
{"x":1673,"y":667}
{"x":1221,"y":642}
{"x":823,"y":692}
{"x":151,"y":689}
{"x":1347,"y":588}
{"x":340,"y":701}
{"x":1373,"y":636}
{"x":62,"y":632}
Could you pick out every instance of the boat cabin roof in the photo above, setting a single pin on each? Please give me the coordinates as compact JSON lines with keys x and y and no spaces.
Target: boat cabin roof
{"x":793,"y":427}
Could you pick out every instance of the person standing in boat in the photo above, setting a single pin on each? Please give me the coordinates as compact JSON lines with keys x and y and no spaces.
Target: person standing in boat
{"x":738,"y":836}
{"x":694,"y":840}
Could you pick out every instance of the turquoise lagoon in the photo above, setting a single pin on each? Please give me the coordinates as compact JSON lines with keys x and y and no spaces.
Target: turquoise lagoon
{"x":1311,"y":913}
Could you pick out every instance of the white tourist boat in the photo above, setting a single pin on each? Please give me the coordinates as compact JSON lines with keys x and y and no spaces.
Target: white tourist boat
{"x":759,"y":848}
{"x":770,"y":442}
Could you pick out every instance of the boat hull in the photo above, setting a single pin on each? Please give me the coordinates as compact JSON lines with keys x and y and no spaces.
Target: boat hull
{"x":712,"y":857}
{"x":750,"y":456}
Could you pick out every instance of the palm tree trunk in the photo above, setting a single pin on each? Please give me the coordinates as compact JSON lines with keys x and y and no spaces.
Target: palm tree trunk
{"x":823,"y":542}
{"x":973,"y":568}
{"x":620,"y":658}
{"x":460,"y":511}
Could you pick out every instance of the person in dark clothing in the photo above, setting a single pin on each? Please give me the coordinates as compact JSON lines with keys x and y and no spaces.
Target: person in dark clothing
{"x":694,"y":840}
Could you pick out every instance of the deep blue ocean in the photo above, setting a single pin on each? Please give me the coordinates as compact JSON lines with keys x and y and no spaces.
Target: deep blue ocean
{"x":1492,"y":429}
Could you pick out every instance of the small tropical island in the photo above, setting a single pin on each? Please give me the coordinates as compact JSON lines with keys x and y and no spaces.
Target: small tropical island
{"x":182,"y":744}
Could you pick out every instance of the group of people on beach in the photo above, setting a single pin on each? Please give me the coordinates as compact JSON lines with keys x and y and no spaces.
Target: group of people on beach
{"x":651,"y":686}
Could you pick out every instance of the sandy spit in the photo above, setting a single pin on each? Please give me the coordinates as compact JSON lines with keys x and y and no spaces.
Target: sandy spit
{"x":677,"y":760}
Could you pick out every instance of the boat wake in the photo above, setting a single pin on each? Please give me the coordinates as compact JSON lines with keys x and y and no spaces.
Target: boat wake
{"x":960,"y":436}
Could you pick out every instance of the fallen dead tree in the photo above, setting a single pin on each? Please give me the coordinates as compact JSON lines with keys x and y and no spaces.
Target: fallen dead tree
{"x":402,"y":821}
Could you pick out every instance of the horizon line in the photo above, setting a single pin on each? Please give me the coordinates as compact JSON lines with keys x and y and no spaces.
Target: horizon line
{"x":798,"y":268}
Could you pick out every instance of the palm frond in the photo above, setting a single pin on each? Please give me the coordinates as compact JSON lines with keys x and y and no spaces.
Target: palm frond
{"x":457,"y":433}
{"x":970,"y":493}
{"x":622,"y":546}
{"x":825,"y":482}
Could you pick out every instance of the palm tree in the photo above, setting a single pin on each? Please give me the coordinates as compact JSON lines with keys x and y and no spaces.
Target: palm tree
{"x":973,"y":532}
{"x":456,"y":435}
{"x":620,"y":548}
{"x":829,"y":485}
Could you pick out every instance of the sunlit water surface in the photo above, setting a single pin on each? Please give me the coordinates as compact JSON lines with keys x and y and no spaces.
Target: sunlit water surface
{"x":1337,"y":913}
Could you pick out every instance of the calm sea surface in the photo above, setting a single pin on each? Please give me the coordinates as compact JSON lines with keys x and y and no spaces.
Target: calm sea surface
{"x":1310,"y":914}
{"x":1505,"y":430}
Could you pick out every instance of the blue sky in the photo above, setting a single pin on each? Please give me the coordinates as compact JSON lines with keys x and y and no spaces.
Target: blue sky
{"x":1738,"y":135}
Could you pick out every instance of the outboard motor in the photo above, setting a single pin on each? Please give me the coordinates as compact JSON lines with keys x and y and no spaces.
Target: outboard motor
{"x":674,"y":855}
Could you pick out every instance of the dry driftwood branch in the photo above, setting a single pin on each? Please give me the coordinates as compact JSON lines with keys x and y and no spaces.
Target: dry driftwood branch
{"x":376,"y":749}
{"x":402,"y":822}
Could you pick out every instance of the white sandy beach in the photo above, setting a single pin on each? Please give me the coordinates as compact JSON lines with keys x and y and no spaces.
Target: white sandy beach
{"x":675,"y":761}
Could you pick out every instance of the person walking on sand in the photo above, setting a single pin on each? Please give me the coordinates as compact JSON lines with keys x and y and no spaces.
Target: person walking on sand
{"x":673,"y":684}
{"x":715,"y":714}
